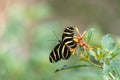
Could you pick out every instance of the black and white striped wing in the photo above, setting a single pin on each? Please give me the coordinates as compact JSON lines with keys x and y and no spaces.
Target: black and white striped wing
{"x":67,"y":37}
{"x":64,"y":51}
{"x":61,"y":51}
{"x":68,"y":32}
{"x":55,"y":55}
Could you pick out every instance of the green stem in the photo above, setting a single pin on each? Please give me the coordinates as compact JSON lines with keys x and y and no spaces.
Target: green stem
{"x":89,"y":61}
{"x":111,"y":75}
{"x":77,"y":66}
{"x":96,"y":65}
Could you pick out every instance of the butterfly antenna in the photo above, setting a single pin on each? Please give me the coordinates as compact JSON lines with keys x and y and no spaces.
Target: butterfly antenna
{"x":52,"y":40}
{"x":56,"y":36}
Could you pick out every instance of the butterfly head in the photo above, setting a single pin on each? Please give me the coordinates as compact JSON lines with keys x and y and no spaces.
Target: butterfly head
{"x":71,"y":29}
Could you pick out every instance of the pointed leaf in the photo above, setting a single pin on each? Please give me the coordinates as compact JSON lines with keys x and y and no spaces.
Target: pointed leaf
{"x":91,"y":52}
{"x":89,"y":35}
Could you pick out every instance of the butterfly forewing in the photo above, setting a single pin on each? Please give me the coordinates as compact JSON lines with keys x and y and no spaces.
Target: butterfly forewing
{"x":68,"y":32}
{"x":68,"y":36}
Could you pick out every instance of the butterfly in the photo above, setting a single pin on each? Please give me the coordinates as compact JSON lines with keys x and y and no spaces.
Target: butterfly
{"x":63,"y":49}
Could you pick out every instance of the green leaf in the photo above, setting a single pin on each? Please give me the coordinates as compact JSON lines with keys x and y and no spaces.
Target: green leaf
{"x":89,"y":35}
{"x":115,"y":64}
{"x":91,"y":52}
{"x":116,"y":52}
{"x":107,"y":69}
{"x":108,"y":43}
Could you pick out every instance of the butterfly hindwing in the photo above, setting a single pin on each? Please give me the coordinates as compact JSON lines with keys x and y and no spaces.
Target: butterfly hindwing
{"x":55,"y":54}
{"x":65,"y":51}
{"x":61,"y":51}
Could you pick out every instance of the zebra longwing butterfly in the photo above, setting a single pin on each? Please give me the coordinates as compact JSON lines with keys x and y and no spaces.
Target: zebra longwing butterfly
{"x":63,"y":49}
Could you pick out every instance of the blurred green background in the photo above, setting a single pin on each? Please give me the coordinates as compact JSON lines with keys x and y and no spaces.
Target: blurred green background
{"x":27,"y":38}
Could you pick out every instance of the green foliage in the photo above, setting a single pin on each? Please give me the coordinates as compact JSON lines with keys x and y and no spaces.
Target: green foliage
{"x":89,"y":35}
{"x":108,"y":43}
{"x":104,"y":56}
{"x":115,"y":64}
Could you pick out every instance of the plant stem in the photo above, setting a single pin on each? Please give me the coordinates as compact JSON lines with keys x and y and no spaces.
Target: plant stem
{"x":77,"y":66}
